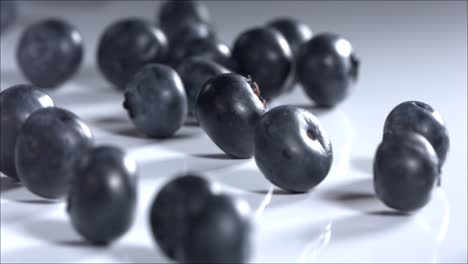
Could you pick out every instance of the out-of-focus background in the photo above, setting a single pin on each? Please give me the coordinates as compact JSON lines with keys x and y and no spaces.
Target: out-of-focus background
{"x":410,"y":50}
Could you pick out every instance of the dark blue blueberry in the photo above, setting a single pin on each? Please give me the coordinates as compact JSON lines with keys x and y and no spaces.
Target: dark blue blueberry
{"x":50,"y":143}
{"x":405,"y":171}
{"x":103,"y":195}
{"x":421,"y":118}
{"x":17,"y":103}
{"x":292,"y":149}
{"x":192,"y":223}
{"x":128,"y":45}
{"x":50,"y":52}
{"x":221,"y":233}
{"x":327,"y":68}
{"x":210,"y":49}
{"x":195,"y":72}
{"x":8,"y":11}
{"x":180,"y":40}
{"x":174,"y":14}
{"x":228,"y":108}
{"x":155,"y":100}
{"x":264,"y":54}
{"x":174,"y":209}
{"x":295,"y":32}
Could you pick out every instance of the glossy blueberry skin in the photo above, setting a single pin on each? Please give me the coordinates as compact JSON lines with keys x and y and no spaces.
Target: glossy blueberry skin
{"x":292,"y":149}
{"x":405,"y":171}
{"x":420,"y":118}
{"x":209,"y":49}
{"x":295,"y":32}
{"x":195,"y":72}
{"x":174,"y":209}
{"x":191,"y":222}
{"x":103,"y":195}
{"x":228,"y":108}
{"x":221,"y":233}
{"x":50,"y":143}
{"x":155,"y":100}
{"x":327,"y":69}
{"x":49,"y":53}
{"x":17,"y":103}
{"x":180,"y":40}
{"x":8,"y":11}
{"x":128,"y":45}
{"x":264,"y":54}
{"x":174,"y":14}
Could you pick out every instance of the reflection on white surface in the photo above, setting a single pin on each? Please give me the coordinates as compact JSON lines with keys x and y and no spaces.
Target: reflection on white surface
{"x":266,"y":201}
{"x":313,"y":248}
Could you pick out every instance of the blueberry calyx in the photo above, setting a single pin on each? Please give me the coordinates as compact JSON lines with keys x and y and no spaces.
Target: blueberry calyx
{"x":256,"y":90}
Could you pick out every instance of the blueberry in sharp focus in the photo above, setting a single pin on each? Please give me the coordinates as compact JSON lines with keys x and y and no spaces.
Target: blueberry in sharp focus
{"x":295,"y":32}
{"x":155,"y":100}
{"x":421,"y":118}
{"x":50,"y":52}
{"x":103,"y":195}
{"x":50,"y":143}
{"x":174,"y":14}
{"x":195,"y":72}
{"x":221,"y":233}
{"x":128,"y":45}
{"x":405,"y":171}
{"x":16,"y":104}
{"x":327,"y":68}
{"x":264,"y":54}
{"x":210,"y":49}
{"x":228,"y":107}
{"x":292,"y":149}
{"x":174,"y":209}
{"x":8,"y":11}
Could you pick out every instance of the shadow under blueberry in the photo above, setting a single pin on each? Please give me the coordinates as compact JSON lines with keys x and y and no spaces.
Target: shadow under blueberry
{"x":218,"y":156}
{"x":277,"y":192}
{"x":7,"y":184}
{"x":52,"y":230}
{"x":363,"y":164}
{"x":138,"y":254}
{"x":22,"y":195}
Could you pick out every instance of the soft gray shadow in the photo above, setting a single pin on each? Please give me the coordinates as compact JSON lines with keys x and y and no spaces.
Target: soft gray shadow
{"x":277,"y":192}
{"x":358,"y":195}
{"x":388,"y":213}
{"x":135,"y":254}
{"x":52,"y":230}
{"x":49,"y":254}
{"x":7,"y":184}
{"x":23,"y":195}
{"x":222,"y":156}
{"x":363,"y":164}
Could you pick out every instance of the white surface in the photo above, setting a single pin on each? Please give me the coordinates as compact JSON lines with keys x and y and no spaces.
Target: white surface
{"x":408,"y":51}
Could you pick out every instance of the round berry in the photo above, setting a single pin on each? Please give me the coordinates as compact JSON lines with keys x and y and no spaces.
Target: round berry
{"x":174,"y":14}
{"x":292,"y":149}
{"x":17,"y":104}
{"x":103,"y":195}
{"x":327,"y":68}
{"x":155,"y":100}
{"x":50,"y":143}
{"x":50,"y":52}
{"x":264,"y":54}
{"x":405,"y":171}
{"x":209,"y":49}
{"x":128,"y":45}
{"x":295,"y":32}
{"x":228,"y":108}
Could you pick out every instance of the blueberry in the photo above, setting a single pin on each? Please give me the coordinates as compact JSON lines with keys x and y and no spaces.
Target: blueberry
{"x":228,"y":107}
{"x":50,"y":143}
{"x":292,"y":149}
{"x":174,"y":209}
{"x":180,"y":40}
{"x":195,"y":72}
{"x":405,"y":171}
{"x":209,"y":49}
{"x":421,"y":118}
{"x":174,"y":14}
{"x":103,"y":195}
{"x":191,"y":222}
{"x":50,"y":52}
{"x":295,"y":32}
{"x":155,"y":100}
{"x":264,"y":54}
{"x":17,"y":103}
{"x":128,"y":45}
{"x":8,"y":11}
{"x":327,"y":68}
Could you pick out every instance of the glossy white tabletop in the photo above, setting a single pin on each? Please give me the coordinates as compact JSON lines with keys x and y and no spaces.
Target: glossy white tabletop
{"x":409,"y":50}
